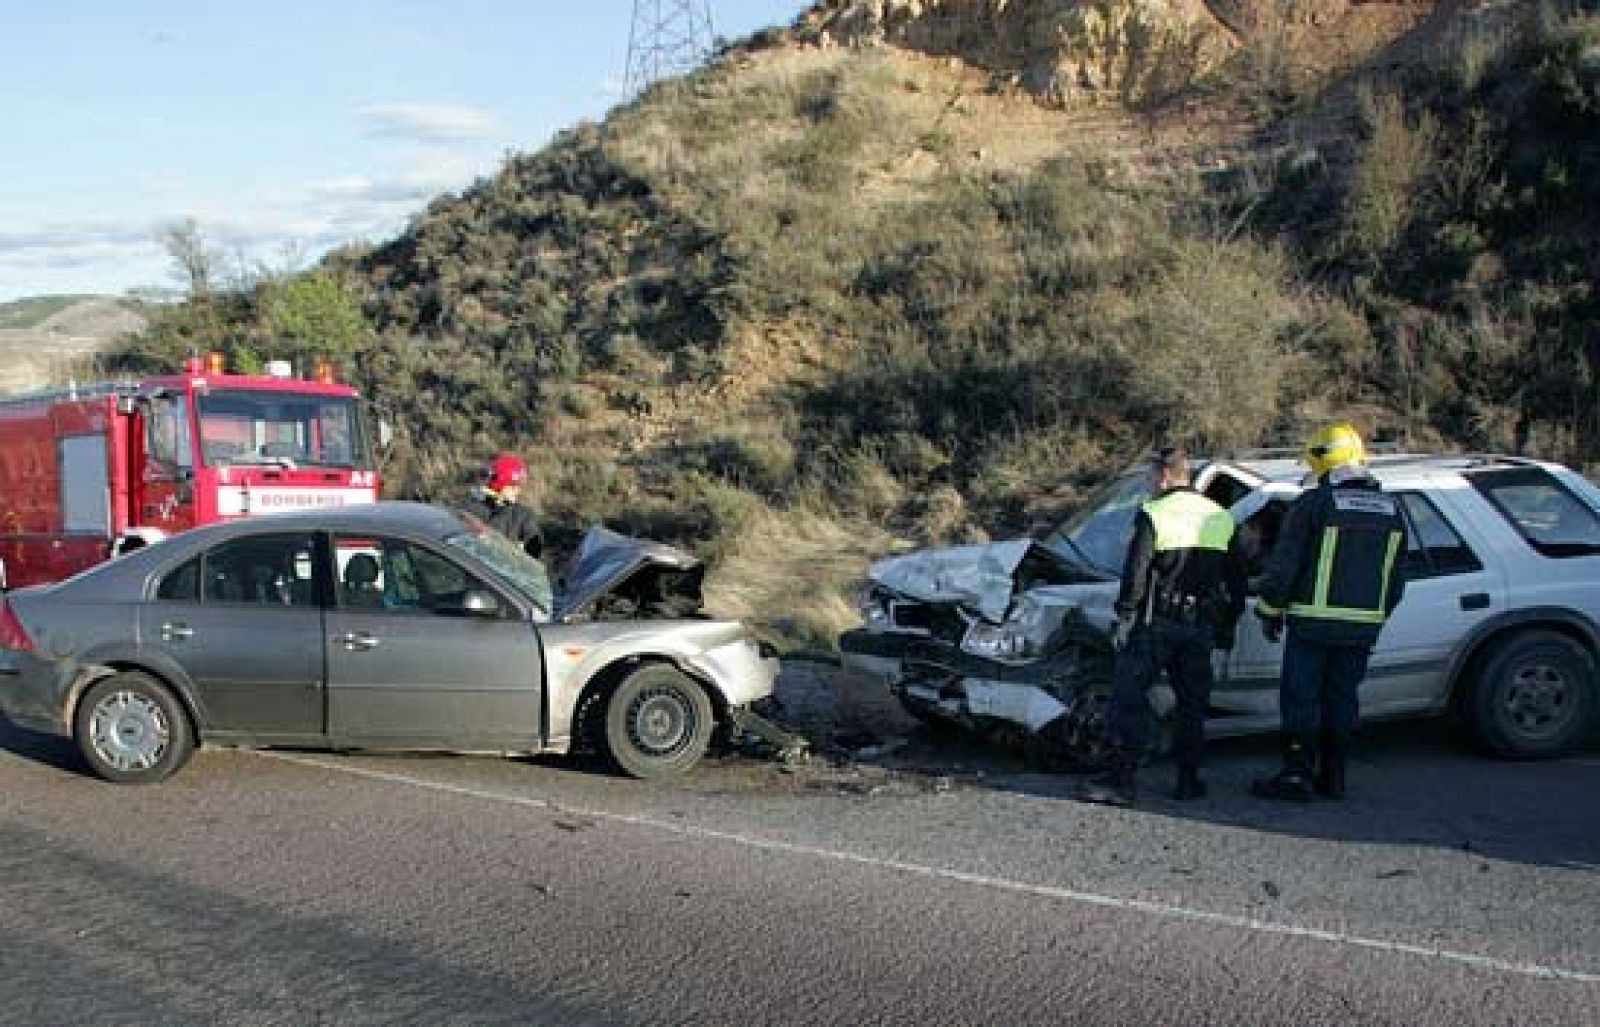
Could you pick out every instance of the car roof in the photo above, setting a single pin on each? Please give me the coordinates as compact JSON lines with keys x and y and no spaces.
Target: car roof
{"x":1281,"y":466}
{"x":418,"y":520}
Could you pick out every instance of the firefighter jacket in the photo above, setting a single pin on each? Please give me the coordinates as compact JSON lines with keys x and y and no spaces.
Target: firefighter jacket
{"x":513,"y":520}
{"x":1184,"y":563}
{"x":1335,"y":570}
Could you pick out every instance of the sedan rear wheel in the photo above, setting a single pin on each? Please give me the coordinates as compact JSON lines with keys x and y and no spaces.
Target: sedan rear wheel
{"x":131,"y":730}
{"x":1534,"y":696}
{"x":659,"y":722}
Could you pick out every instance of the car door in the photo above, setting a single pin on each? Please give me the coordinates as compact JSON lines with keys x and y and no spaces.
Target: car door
{"x":407,"y":666}
{"x":1449,"y":592}
{"x":245,"y":623}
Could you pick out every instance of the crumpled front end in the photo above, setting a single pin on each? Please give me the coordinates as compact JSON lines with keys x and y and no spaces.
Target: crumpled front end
{"x":1009,"y":640}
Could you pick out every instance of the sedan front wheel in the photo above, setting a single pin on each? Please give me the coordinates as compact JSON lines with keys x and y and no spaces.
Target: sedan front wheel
{"x":131,"y":730}
{"x":659,"y":722}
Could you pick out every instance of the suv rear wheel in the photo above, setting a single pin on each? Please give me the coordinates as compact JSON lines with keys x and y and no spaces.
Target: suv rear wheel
{"x":1533,"y":696}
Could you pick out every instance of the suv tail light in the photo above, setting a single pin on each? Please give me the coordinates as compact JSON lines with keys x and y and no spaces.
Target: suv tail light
{"x":12,"y":634}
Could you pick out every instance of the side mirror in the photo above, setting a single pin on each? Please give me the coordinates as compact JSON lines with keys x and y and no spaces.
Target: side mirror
{"x":385,"y":435}
{"x":474,"y":603}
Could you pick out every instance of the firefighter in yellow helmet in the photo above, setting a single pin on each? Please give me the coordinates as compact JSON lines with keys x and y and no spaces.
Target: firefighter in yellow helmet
{"x":1334,"y":577}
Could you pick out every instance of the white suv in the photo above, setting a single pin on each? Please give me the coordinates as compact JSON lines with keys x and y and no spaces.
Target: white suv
{"x":1500,"y":622}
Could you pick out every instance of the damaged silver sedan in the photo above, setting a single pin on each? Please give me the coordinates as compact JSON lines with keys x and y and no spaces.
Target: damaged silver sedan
{"x":390,"y":626}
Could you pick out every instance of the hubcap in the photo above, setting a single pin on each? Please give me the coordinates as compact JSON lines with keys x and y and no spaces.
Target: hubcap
{"x":660,"y":722}
{"x":1539,"y":700}
{"x":129,"y":731}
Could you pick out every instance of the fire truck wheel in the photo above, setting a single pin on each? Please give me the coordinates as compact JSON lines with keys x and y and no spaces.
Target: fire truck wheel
{"x":131,"y":729}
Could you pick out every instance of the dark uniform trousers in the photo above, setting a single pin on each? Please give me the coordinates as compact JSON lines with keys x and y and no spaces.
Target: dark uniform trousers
{"x":1320,"y":688}
{"x":1184,"y":652}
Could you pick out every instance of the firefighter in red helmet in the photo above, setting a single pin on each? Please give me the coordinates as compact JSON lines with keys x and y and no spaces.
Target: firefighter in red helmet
{"x":494,"y":502}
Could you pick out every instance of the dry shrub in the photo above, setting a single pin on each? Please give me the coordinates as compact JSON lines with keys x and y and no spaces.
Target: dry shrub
{"x":794,"y":573}
{"x":1398,"y":157}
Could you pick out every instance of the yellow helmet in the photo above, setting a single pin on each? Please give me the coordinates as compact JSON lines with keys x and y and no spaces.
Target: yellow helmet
{"x":1334,"y":446}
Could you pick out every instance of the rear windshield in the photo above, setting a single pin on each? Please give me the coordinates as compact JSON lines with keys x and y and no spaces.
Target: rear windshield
{"x":1543,"y":511}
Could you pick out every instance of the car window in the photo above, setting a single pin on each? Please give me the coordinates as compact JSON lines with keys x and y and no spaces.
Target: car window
{"x":1099,"y":533}
{"x":1433,"y":548}
{"x":396,"y":576}
{"x":181,"y":585}
{"x":1547,"y":516}
{"x":1257,"y":537}
{"x":263,"y":570}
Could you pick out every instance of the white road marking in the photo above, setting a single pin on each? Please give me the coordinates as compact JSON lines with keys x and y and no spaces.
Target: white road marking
{"x":1159,"y":909}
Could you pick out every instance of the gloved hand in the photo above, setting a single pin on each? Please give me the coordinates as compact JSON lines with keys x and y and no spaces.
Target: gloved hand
{"x":1121,"y":633}
{"x":1271,"y":625}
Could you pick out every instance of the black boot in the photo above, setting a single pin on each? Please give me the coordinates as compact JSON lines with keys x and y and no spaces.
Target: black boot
{"x":1331,"y":765}
{"x":1293,"y":782}
{"x":1189,"y":785}
{"x":1116,"y":787}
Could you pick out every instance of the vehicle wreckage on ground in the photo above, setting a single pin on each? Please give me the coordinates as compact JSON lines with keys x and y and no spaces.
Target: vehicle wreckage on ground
{"x":1012,"y":639}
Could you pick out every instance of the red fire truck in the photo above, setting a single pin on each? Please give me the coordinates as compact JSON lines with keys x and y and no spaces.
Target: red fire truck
{"x":90,"y":471}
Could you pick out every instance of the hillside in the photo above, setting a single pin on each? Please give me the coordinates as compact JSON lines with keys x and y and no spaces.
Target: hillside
{"x":48,"y":338}
{"x":926,"y":270}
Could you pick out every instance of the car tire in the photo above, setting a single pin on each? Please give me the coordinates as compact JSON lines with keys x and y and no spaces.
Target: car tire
{"x":1533,"y":696}
{"x":659,"y":722}
{"x":131,"y":729}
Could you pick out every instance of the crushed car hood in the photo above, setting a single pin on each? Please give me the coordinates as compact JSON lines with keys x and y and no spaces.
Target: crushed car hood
{"x":981,"y":578}
{"x":984,"y":579}
{"x":651,"y":578}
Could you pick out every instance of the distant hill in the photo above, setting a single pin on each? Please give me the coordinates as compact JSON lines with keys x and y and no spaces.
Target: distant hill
{"x":44,"y":339}
{"x":929,"y":270}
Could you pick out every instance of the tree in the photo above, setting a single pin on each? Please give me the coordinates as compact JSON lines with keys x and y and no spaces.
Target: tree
{"x":314,"y":314}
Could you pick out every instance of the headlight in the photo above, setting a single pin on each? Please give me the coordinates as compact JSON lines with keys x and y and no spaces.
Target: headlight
{"x":873,"y":611}
{"x":994,"y":642}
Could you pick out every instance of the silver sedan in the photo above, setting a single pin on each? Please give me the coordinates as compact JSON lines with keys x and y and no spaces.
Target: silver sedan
{"x":397,"y":626}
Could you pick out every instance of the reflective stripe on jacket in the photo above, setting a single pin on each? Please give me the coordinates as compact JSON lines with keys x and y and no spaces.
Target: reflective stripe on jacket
{"x":1183,"y":545}
{"x":1336,"y":567}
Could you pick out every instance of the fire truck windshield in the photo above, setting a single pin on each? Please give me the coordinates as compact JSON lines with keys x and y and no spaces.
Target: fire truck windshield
{"x":241,"y":427}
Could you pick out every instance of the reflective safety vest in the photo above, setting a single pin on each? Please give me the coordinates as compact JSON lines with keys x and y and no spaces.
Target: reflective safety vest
{"x":1334,"y":570}
{"x":1188,"y":520}
{"x":1182,"y":563}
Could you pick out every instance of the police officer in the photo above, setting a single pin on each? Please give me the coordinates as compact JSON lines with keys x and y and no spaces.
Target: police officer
{"x":1335,"y":576}
{"x":495,"y":503}
{"x":1183,"y":589}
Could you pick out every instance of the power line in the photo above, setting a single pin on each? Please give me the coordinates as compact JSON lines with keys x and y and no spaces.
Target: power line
{"x":668,"y":37}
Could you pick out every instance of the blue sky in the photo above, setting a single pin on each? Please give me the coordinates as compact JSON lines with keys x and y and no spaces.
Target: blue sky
{"x":283,"y":128}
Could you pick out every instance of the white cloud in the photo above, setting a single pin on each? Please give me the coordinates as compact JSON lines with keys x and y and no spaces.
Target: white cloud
{"x":431,"y":122}
{"x":304,"y":220}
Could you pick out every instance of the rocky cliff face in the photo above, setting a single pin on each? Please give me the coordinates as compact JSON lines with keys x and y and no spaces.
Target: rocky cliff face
{"x":1074,"y":50}
{"x":1059,"y":50}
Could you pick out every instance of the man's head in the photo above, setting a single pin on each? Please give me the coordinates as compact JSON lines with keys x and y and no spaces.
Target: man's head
{"x":1335,"y":446}
{"x":1169,"y":468}
{"x":505,"y":476}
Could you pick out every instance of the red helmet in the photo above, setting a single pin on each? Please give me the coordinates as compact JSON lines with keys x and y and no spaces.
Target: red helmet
{"x":506,"y":470}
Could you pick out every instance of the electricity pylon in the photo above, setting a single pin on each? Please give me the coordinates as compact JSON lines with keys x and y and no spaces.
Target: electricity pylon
{"x":668,"y":37}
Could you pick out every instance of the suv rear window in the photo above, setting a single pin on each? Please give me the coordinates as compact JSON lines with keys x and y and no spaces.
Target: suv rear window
{"x":1545,"y":513}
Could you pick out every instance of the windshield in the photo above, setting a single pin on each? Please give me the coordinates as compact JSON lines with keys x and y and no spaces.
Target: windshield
{"x":508,"y":560}
{"x":1099,"y":533}
{"x":281,"y":429}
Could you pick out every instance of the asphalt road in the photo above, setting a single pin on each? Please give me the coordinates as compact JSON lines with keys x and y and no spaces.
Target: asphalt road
{"x":948,"y":887}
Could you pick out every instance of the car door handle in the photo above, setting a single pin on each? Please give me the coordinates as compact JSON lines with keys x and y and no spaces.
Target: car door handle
{"x":176,"y":631}
{"x":1475,"y":601}
{"x":359,"y":641}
